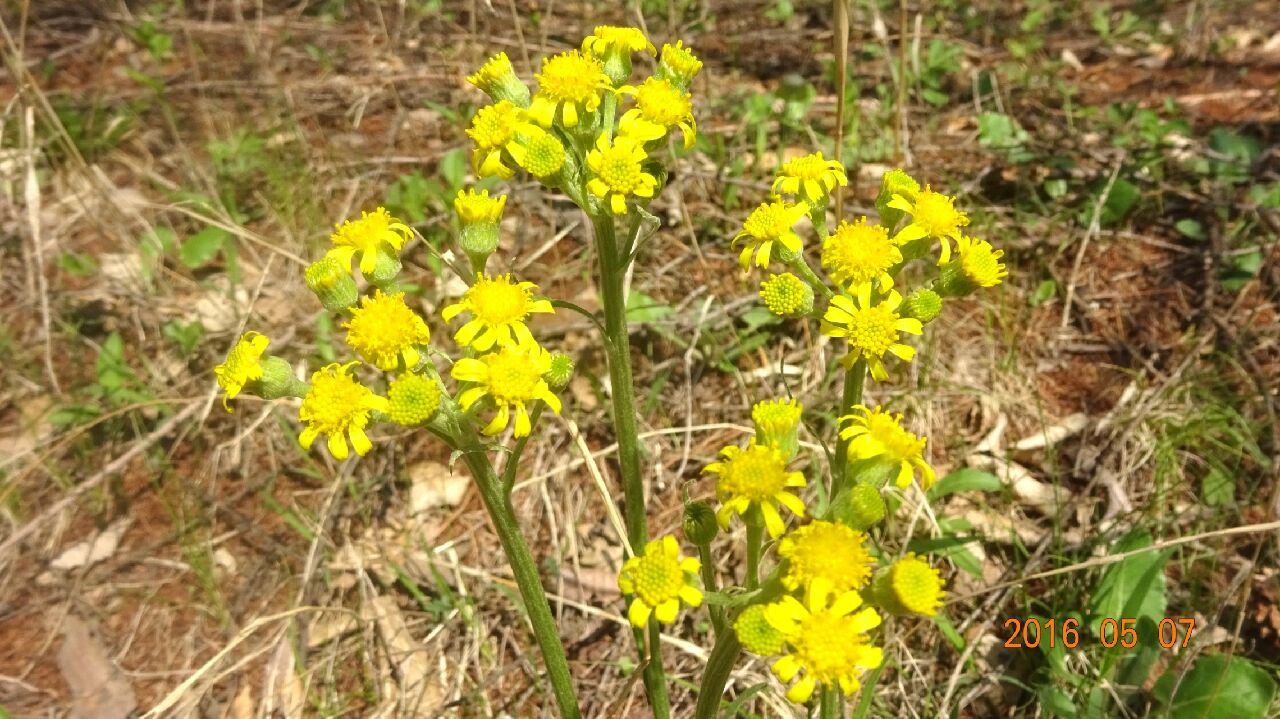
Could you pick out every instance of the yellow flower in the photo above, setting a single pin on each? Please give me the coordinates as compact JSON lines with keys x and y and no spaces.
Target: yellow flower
{"x":512,"y":377}
{"x":755,"y":632}
{"x":412,"y":399}
{"x":242,"y":365}
{"x":498,"y":80}
{"x":384,"y":330}
{"x":769,"y":223}
{"x":622,"y":39}
{"x":755,"y":476}
{"x":338,"y":406}
{"x":660,"y":106}
{"x":571,"y":82}
{"x":619,"y":172}
{"x":660,"y":579}
{"x":978,"y":265}
{"x":812,"y":177}
{"x":678,"y":64}
{"x":473,"y":206}
{"x":871,"y":330}
{"x":495,"y":128}
{"x":932,"y":215}
{"x":876,"y":433}
{"x":857,"y":254}
{"x":909,"y":586}
{"x":825,"y":550}
{"x":826,"y":639}
{"x":374,"y":231}
{"x":499,"y":307}
{"x":786,"y":295}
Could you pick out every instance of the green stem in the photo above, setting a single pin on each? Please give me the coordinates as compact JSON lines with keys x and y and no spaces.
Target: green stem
{"x":801,"y":265}
{"x":513,"y":461}
{"x":709,"y":584}
{"x":724,"y":655}
{"x":654,"y":676}
{"x":855,"y":379}
{"x":523,"y":568}
{"x":829,"y":703}
{"x":755,"y":539}
{"x":868,"y":693}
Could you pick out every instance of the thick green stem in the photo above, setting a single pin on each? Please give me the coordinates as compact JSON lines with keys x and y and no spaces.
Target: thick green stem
{"x":724,"y":655}
{"x":654,"y":677}
{"x":708,"y":570}
{"x":829,"y":706}
{"x":525,"y":571}
{"x":855,"y":379}
{"x":801,"y":265}
{"x":755,"y":539}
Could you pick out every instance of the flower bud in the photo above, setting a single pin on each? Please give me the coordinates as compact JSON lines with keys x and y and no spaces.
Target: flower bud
{"x":786,"y":295}
{"x":976,"y":264}
{"x":923,"y":304}
{"x":561,"y":371}
{"x":678,"y":65}
{"x":778,"y":425}
{"x":332,"y":283}
{"x":614,"y":45}
{"x":543,"y":156}
{"x":908,"y":586}
{"x":414,"y":399}
{"x":894,"y":182}
{"x":386,"y":267}
{"x":699,"y":522}
{"x":278,"y":380}
{"x":755,"y":632}
{"x":859,"y":506}
{"x":480,"y":216}
{"x":498,"y":80}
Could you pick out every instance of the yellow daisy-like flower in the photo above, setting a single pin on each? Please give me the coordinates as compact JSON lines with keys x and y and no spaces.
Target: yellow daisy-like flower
{"x":678,"y":64}
{"x":499,"y":307}
{"x":755,"y":476}
{"x":857,"y":254}
{"x":495,"y":128}
{"x":871,"y":330}
{"x":826,"y":639}
{"x":755,"y":632}
{"x":338,"y":406}
{"x":932,"y":215}
{"x":365,"y":236}
{"x":473,"y":206}
{"x":660,"y":106}
{"x":909,"y":586}
{"x":786,"y":295}
{"x":571,"y":82}
{"x":512,"y":377}
{"x":384,"y":330}
{"x":980,"y":262}
{"x":811,"y":177}
{"x":825,"y":550}
{"x":660,"y":579}
{"x":876,"y":433}
{"x":242,"y":365}
{"x":622,"y":39}
{"x":619,"y":172}
{"x":769,"y":223}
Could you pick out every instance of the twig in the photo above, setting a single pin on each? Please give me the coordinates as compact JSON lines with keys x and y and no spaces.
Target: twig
{"x":610,"y":506}
{"x":31,"y":196}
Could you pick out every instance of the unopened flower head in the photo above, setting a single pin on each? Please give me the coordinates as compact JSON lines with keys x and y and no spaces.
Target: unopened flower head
{"x":384,"y":331}
{"x":786,"y":295}
{"x":874,"y":433}
{"x":976,"y":265}
{"x":614,"y":46}
{"x":769,"y":223}
{"x":825,"y":550}
{"x":242,"y":366}
{"x":699,"y":522}
{"x":561,"y":372}
{"x":544,"y":155}
{"x":499,"y":307}
{"x":413,"y":399}
{"x":330,"y":280}
{"x":932,"y":215}
{"x":857,"y":254}
{"x":871,"y":330}
{"x":909,"y":586}
{"x":895,"y":182}
{"x":678,"y":65}
{"x":660,"y":106}
{"x":498,"y":80}
{"x":826,"y":640}
{"x":338,"y":406}
{"x":497,"y":128}
{"x":811,"y":177}
{"x":660,"y":579}
{"x":777,"y":424}
{"x":480,"y":216}
{"x":375,"y":235}
{"x":860,"y":506}
{"x":755,"y":477}
{"x":923,"y":304}
{"x":618,"y":172}
{"x":513,"y":377}
{"x":570,"y":85}
{"x":755,"y":632}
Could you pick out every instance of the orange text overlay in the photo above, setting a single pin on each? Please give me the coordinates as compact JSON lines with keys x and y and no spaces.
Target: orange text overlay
{"x":1111,"y":633}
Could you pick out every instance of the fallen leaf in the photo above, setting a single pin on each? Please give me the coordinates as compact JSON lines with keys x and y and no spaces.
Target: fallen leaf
{"x":98,"y":688}
{"x":434,"y":485}
{"x":421,"y":690}
{"x":92,"y":551}
{"x":283,"y":690}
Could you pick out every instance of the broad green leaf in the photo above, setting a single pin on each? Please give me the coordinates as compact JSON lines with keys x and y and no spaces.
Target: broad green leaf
{"x":965,"y":479}
{"x":643,"y":308}
{"x":203,"y":246}
{"x":1218,"y":686}
{"x":1132,"y":588}
{"x":1045,"y":291}
{"x":1123,"y":197}
{"x":453,"y":167}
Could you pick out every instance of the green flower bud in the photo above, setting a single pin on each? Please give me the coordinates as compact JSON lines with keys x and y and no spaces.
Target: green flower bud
{"x":976,"y":264}
{"x":923,"y":304}
{"x":755,"y":632}
{"x":414,"y":399}
{"x":678,"y":65}
{"x":332,"y":283}
{"x":894,"y":182}
{"x":278,"y":380}
{"x":543,"y":156}
{"x":385,"y":269}
{"x":859,"y":506}
{"x":480,"y":216}
{"x":786,"y":295}
{"x":778,"y":425}
{"x":561,"y":371}
{"x":699,"y":522}
{"x":498,"y":80}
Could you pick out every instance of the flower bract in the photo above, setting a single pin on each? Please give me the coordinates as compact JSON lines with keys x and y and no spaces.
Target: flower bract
{"x":660,"y":579}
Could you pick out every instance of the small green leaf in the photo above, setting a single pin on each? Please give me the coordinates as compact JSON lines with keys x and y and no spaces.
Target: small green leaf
{"x":1217,"y":488}
{"x":1190,"y":229}
{"x":1123,"y":197}
{"x":453,"y":168}
{"x":1218,"y":686}
{"x":203,"y":246}
{"x":1243,"y":268}
{"x":643,"y":308}
{"x":965,"y":479}
{"x":1044,"y":292}
{"x":1056,"y":703}
{"x":949,"y":631}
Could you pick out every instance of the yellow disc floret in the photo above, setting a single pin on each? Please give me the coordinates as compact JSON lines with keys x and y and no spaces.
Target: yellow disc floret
{"x":242,"y":365}
{"x":910,"y":586}
{"x":811,"y":177}
{"x":755,"y":477}
{"x":871,"y":330}
{"x":513,"y":378}
{"x":826,"y":640}
{"x":980,"y":262}
{"x":875,"y":433}
{"x":618,"y":169}
{"x":660,"y":106}
{"x":932,"y":215}
{"x":777,"y":424}
{"x":384,"y":330}
{"x":786,"y":295}
{"x":755,"y":632}
{"x":499,"y":307}
{"x":660,"y":579}
{"x":678,"y":64}
{"x":412,"y":399}
{"x":572,"y":83}
{"x":338,"y":406}
{"x":826,"y":550}
{"x":769,"y":223}
{"x":857,"y":254}
{"x":544,"y":155}
{"x":373,"y":232}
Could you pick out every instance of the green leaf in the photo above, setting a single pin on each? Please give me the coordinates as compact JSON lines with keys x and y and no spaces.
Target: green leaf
{"x":965,"y":479}
{"x":1218,"y":686}
{"x":453,"y":168}
{"x":1123,"y":197}
{"x":1132,"y":588}
{"x":949,"y":631}
{"x":1242,"y":269}
{"x":203,"y":246}
{"x":1217,"y":488}
{"x":1056,"y":703}
{"x":643,"y":308}
{"x":1044,"y":292}
{"x":949,"y":548}
{"x":1190,"y":229}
